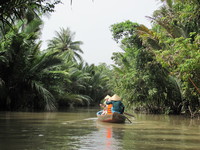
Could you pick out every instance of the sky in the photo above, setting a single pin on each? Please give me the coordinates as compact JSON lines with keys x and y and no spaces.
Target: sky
{"x":91,"y":21}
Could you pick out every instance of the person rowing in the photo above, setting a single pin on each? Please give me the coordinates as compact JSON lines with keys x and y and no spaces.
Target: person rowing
{"x":117,"y":105}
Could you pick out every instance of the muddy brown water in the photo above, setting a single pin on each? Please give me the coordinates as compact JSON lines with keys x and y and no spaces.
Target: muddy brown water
{"x":78,"y":129}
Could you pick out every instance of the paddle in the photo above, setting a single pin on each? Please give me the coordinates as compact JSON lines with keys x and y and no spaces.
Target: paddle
{"x":129,"y":114}
{"x":128,"y":119}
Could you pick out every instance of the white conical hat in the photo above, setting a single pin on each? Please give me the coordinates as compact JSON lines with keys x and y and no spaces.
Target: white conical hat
{"x":115,"y":97}
{"x":107,"y":97}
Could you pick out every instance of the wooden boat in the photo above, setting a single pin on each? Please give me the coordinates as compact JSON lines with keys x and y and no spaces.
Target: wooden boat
{"x":112,"y":118}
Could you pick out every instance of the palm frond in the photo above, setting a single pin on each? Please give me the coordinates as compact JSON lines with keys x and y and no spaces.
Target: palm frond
{"x":46,"y":61}
{"x":117,"y":69}
{"x":59,"y":72}
{"x":33,"y":26}
{"x":63,"y":41}
{"x":77,"y":98}
{"x":148,"y":36}
{"x":42,"y":92}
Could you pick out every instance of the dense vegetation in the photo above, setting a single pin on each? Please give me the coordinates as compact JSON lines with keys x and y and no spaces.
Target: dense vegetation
{"x":159,"y":69}
{"x":157,"y":72}
{"x":35,"y":79}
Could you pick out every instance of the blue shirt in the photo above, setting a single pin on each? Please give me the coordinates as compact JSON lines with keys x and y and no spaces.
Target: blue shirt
{"x":118,"y":106}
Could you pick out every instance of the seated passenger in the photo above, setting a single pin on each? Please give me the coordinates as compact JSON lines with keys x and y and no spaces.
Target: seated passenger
{"x":104,"y":106}
{"x":117,"y":105}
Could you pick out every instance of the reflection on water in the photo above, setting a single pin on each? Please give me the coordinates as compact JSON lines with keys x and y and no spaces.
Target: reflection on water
{"x":80,"y":130}
{"x":105,"y":137}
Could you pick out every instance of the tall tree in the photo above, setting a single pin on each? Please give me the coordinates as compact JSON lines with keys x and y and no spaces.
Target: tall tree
{"x":23,"y":69}
{"x":176,"y":31}
{"x":139,"y":77}
{"x":64,"y":42}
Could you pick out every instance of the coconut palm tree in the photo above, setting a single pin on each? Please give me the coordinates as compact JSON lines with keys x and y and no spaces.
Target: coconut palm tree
{"x":64,"y":42}
{"x":24,"y":68}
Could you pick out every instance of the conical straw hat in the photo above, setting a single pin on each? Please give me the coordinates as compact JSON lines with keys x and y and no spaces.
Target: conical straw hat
{"x":115,"y":97}
{"x":107,"y":97}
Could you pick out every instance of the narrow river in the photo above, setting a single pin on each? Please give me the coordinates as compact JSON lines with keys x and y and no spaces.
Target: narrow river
{"x":79,"y":129}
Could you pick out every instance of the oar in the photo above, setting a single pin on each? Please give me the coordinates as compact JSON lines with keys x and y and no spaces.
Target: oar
{"x":129,"y":114}
{"x":128,"y":119}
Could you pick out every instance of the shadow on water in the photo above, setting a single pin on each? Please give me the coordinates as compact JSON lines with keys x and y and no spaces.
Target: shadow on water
{"x":79,"y":130}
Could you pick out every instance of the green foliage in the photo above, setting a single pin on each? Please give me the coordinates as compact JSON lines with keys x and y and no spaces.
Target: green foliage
{"x":84,"y":84}
{"x":181,"y":53}
{"x":162,"y":74}
{"x":23,"y":68}
{"x":125,"y":32}
{"x":12,"y":10}
{"x":142,"y":81}
{"x":31,"y":79}
{"x":46,"y":80}
{"x":63,"y":42}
